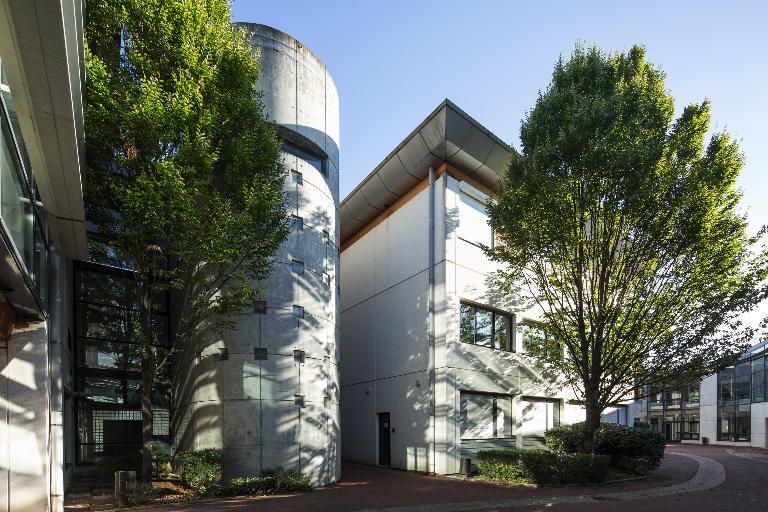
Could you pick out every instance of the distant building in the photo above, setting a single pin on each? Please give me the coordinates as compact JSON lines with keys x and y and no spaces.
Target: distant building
{"x":434,"y":364}
{"x":730,"y":407}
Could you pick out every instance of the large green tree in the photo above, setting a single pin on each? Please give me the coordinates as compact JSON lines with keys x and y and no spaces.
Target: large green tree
{"x":183,"y":183}
{"x":625,"y":230}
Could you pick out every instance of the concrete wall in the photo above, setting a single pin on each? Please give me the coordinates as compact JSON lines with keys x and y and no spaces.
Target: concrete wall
{"x":25,"y":480}
{"x":252,"y":408}
{"x":708,"y":408}
{"x":385,"y":338}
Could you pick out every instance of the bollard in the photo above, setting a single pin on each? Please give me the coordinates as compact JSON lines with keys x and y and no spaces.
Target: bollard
{"x":125,"y":482}
{"x":466,"y":464}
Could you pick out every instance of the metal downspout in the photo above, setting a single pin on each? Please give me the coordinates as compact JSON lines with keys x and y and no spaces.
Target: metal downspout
{"x":431,"y":271}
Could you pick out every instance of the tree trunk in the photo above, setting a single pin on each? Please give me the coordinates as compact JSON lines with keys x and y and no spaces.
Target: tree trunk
{"x":147,"y":383}
{"x":146,"y":419}
{"x":592,"y":421}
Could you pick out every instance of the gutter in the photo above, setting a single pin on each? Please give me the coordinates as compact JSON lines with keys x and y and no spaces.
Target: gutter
{"x":431,"y":366}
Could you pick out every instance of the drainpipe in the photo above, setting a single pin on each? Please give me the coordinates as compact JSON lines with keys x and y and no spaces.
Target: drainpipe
{"x":431,"y":272}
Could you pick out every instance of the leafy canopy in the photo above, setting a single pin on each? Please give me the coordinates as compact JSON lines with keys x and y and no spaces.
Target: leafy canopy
{"x":624,"y":228}
{"x":184,"y":179}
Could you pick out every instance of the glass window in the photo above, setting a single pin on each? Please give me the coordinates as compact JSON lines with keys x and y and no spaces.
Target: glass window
{"x":725,"y":386}
{"x":743,"y":422}
{"x":297,"y":267}
{"x":483,"y":327}
{"x":485,"y":416}
{"x":296,"y":178}
{"x":758,"y":380}
{"x":473,"y":221}
{"x":741,"y":382}
{"x":725,"y":423}
{"x":312,"y":159}
{"x":297,"y":223}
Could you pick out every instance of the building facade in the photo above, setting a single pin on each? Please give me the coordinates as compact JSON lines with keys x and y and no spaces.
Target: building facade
{"x":730,"y":407}
{"x":267,"y":394}
{"x":41,"y":228}
{"x":434,"y":364}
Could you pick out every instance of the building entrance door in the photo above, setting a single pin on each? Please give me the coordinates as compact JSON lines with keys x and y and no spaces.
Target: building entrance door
{"x":668,"y":431}
{"x":384,"y":441}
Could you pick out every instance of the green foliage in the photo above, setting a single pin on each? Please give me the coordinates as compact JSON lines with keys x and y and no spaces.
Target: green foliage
{"x":200,"y":469}
{"x":625,"y":229}
{"x":636,"y":449}
{"x":184,"y":180}
{"x":542,"y":466}
{"x":270,"y":482}
{"x":161,"y":462}
{"x":107,"y":466}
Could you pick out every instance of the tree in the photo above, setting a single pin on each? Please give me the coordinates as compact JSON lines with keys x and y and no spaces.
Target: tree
{"x":184,"y":180}
{"x":625,"y":231}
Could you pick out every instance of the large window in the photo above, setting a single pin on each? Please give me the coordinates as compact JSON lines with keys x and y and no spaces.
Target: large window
{"x":485,"y":416}
{"x":737,"y":388}
{"x":20,"y":206}
{"x":107,"y":354}
{"x":486,"y":328}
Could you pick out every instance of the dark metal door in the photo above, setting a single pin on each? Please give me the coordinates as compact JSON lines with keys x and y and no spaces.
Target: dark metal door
{"x":384,"y":442}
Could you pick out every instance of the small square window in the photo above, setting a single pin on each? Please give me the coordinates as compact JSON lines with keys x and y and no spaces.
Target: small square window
{"x":297,"y":266}
{"x":326,"y":401}
{"x":260,"y":307}
{"x":326,"y":236}
{"x":298,"y":400}
{"x":326,"y":278}
{"x":298,"y":356}
{"x":298,"y":311}
{"x":296,"y":177}
{"x":223,"y":353}
{"x":259,"y":353}
{"x":297,"y":223}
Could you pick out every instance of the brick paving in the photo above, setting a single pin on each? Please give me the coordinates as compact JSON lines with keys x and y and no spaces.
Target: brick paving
{"x":369,"y":488}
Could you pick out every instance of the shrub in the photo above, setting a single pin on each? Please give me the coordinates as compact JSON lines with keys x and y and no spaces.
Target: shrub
{"x":161,"y":461}
{"x":200,"y":469}
{"x":143,"y":494}
{"x":634,"y":449}
{"x":273,"y":481}
{"x":542,"y":466}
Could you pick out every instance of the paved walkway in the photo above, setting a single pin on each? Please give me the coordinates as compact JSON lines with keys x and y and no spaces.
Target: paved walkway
{"x":692,"y":477}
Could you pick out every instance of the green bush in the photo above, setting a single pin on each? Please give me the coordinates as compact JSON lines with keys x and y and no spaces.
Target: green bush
{"x":636,"y":449}
{"x":542,"y":466}
{"x":200,"y":469}
{"x":273,"y":481}
{"x":161,"y":462}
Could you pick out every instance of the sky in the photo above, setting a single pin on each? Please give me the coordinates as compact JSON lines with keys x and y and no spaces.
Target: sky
{"x":393,"y":62}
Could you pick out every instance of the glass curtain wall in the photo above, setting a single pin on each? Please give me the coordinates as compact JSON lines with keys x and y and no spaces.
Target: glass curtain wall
{"x":675,"y":412}
{"x":108,"y":377}
{"x":737,"y":388}
{"x":20,"y":206}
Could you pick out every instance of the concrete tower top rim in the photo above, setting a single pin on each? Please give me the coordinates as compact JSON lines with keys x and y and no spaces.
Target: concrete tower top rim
{"x":277,"y":34}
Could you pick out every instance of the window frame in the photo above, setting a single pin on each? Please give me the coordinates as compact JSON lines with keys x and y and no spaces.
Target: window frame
{"x":495,"y":313}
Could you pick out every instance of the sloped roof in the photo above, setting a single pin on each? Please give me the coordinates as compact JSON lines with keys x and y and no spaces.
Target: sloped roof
{"x":448,"y":135}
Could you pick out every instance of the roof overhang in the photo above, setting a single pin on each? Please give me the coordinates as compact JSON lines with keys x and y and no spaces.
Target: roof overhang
{"x":42,"y":43}
{"x":447,"y":135}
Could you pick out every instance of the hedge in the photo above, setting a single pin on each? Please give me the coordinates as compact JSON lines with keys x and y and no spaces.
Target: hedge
{"x":200,"y":469}
{"x":636,"y":449}
{"x":542,"y":466}
{"x":269,"y":482}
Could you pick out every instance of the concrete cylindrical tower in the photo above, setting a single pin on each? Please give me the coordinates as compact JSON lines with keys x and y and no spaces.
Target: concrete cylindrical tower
{"x":270,"y":396}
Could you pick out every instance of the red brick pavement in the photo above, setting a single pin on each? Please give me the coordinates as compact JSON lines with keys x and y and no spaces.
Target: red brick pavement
{"x":367,"y":487}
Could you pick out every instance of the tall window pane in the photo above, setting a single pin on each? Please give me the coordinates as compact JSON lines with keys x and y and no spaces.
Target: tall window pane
{"x":501,"y":332}
{"x":483,"y":327}
{"x":467,"y":323}
{"x":741,"y":382}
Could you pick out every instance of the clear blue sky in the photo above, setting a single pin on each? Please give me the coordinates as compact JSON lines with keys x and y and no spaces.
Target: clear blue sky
{"x":394,"y":61}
